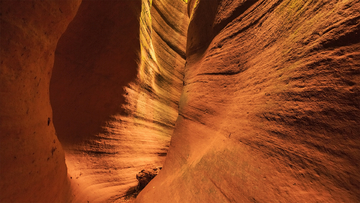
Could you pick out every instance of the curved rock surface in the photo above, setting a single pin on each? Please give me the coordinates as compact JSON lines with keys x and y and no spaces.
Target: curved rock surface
{"x":32,"y":159}
{"x":128,"y":95}
{"x":95,"y":58}
{"x":259,"y":98}
{"x":270,"y":107}
{"x":114,"y":91}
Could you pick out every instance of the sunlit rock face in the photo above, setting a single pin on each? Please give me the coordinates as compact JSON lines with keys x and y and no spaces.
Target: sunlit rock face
{"x":260,"y":100}
{"x":115,"y":90}
{"x":32,"y":164}
{"x":270,"y":107}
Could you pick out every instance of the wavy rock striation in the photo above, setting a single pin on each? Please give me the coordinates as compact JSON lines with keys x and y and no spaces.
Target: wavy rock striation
{"x":270,"y":107}
{"x":141,"y":99}
{"x":260,"y":99}
{"x":115,"y":93}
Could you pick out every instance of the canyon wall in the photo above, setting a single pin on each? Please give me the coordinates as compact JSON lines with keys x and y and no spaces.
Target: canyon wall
{"x":270,"y":107}
{"x":95,"y":58}
{"x":116,"y":78}
{"x":32,"y":159}
{"x":115,"y":92}
{"x":260,"y":100}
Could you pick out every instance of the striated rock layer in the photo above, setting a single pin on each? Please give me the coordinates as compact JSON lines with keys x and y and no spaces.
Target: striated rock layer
{"x":270,"y":107}
{"x":115,"y":89}
{"x":266,"y":108}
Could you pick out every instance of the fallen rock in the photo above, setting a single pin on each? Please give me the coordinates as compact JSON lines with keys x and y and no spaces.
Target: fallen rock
{"x":145,"y":176}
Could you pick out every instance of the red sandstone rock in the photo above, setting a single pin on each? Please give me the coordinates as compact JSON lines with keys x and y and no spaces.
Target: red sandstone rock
{"x":95,"y":58}
{"x":270,"y":107}
{"x":32,"y":166}
{"x":145,"y":176}
{"x":135,"y":134}
{"x":266,"y":109}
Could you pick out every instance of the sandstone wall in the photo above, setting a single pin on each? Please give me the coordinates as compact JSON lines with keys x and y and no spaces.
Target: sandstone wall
{"x":270,"y":107}
{"x":32,"y":159}
{"x":115,"y":89}
{"x":95,"y":58}
{"x":266,"y":108}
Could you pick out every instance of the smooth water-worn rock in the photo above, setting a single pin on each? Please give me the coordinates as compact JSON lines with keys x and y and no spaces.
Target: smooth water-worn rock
{"x":238,"y":100}
{"x":115,"y":90}
{"x":270,"y":107}
{"x":32,"y":164}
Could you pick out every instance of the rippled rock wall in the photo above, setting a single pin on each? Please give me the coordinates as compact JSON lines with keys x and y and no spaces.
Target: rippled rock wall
{"x":239,"y":100}
{"x":122,"y":80}
{"x":270,"y":107}
{"x":116,"y":78}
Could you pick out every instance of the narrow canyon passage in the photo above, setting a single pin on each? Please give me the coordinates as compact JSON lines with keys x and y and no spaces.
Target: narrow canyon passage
{"x":237,"y":100}
{"x":115,"y":88}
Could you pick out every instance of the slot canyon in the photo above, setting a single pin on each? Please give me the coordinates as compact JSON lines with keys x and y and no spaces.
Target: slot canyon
{"x":236,"y":100}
